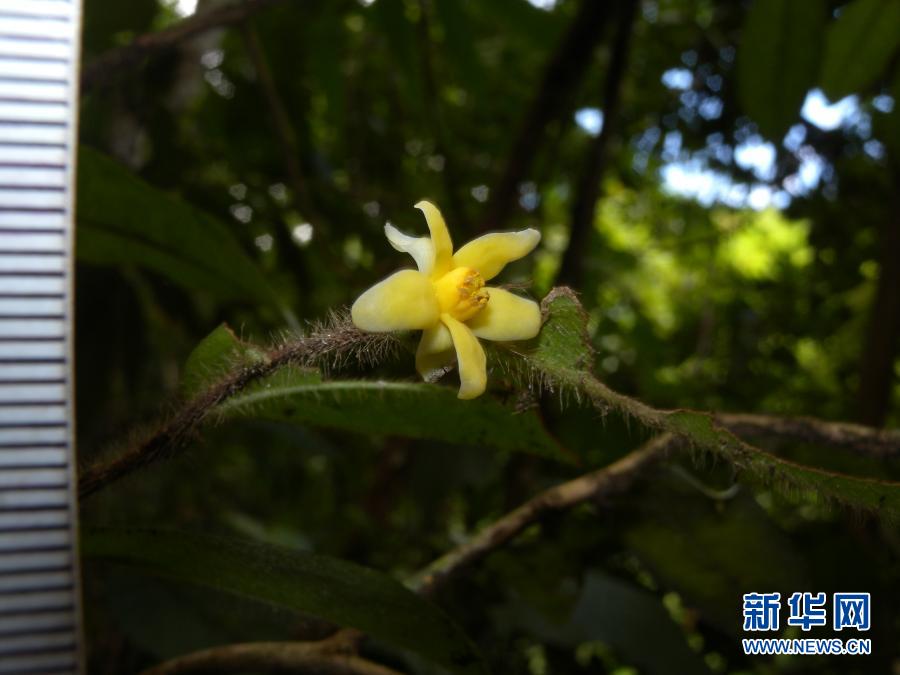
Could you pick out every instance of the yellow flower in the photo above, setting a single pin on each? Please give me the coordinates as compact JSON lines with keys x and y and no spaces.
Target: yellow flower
{"x":447,"y":299}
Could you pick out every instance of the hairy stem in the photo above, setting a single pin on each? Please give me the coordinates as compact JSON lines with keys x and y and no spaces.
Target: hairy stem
{"x":327,"y":344}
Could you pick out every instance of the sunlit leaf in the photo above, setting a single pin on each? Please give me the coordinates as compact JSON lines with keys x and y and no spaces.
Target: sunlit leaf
{"x":329,"y":588}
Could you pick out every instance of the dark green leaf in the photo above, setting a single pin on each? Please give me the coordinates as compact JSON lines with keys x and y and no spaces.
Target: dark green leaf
{"x":329,"y":588}
{"x":624,"y":617}
{"x":778,"y":60}
{"x":400,"y":34}
{"x":124,"y":221}
{"x":563,"y":342}
{"x":217,"y":354}
{"x":459,"y":44}
{"x":417,"y":410}
{"x":712,"y":555}
{"x":859,"y":45}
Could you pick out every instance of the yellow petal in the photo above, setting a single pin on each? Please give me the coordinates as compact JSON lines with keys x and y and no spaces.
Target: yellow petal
{"x":440,"y":238}
{"x":469,"y":356}
{"x":419,"y":248}
{"x":403,"y":301}
{"x":489,"y":254}
{"x":506,"y":316}
{"x":435,"y":352}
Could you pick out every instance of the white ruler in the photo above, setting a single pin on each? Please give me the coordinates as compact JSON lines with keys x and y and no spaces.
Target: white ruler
{"x":39,"y":578}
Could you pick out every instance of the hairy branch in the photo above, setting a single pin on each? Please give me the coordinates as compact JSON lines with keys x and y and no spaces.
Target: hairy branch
{"x":330,"y":343}
{"x":104,"y":70}
{"x":879,"y":443}
{"x":563,"y":72}
{"x":603,"y":482}
{"x":588,"y":191}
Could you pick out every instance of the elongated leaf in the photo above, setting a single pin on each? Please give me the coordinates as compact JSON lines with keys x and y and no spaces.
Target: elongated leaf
{"x":412,"y":410}
{"x":381,"y":408}
{"x":859,"y":45}
{"x":124,"y":221}
{"x":778,"y":60}
{"x":329,"y":588}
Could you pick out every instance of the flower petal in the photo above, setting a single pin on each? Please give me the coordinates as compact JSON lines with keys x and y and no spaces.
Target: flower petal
{"x":403,"y":301}
{"x":435,"y":352}
{"x":489,"y":254}
{"x":469,"y":356}
{"x":507,"y":316}
{"x":420,"y":248}
{"x":440,"y":238}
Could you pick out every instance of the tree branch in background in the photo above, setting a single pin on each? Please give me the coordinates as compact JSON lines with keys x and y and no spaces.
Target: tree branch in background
{"x":438,"y":127}
{"x":315,"y":658}
{"x":878,"y":443}
{"x":563,"y":72}
{"x":882,"y":340}
{"x":604,"y":482}
{"x":105,"y":69}
{"x":588,"y":189}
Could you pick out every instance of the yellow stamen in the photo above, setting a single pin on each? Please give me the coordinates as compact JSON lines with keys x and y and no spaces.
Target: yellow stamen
{"x":461,"y":293}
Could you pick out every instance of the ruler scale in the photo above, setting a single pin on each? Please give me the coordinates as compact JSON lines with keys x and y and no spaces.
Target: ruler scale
{"x":40,"y":627}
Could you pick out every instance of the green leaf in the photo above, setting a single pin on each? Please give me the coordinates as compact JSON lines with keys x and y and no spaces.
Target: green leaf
{"x":622,"y":616}
{"x":218,"y":353}
{"x":778,"y":59}
{"x":124,"y":221}
{"x":711,"y":555}
{"x":859,"y":45}
{"x":887,"y":126}
{"x":329,"y":588}
{"x":390,"y":16}
{"x":459,"y":45}
{"x":563,"y":343}
{"x":412,"y":410}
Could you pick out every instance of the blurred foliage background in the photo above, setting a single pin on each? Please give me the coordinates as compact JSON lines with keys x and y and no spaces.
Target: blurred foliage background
{"x":720,"y":182}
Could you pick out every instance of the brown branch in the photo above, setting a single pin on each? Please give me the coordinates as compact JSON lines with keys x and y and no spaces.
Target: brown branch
{"x":104,"y":69}
{"x":315,"y":658}
{"x":587,"y":193}
{"x":330,"y":343}
{"x":882,"y":341}
{"x":603,"y":482}
{"x":565,"y":69}
{"x":435,"y":114}
{"x":879,"y":443}
{"x":281,"y":123}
